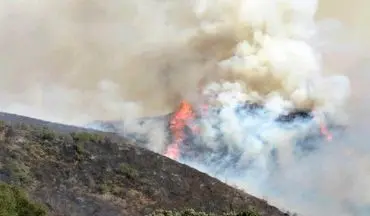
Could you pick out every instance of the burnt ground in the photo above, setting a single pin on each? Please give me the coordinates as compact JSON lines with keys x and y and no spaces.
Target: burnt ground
{"x":74,"y":171}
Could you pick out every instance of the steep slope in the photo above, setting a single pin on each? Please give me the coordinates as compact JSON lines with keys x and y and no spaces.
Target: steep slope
{"x":78,"y":172}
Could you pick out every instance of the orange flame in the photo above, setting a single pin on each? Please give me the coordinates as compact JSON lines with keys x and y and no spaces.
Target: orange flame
{"x":323,"y":129}
{"x":181,"y":118}
{"x":185,"y":115}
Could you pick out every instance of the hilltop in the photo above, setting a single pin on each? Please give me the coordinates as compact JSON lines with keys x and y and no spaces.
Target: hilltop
{"x":76,"y":171}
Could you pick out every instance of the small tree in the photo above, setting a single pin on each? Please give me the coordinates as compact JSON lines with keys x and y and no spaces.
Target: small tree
{"x":15,"y":202}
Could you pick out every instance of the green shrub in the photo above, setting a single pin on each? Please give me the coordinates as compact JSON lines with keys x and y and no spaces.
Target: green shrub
{"x":18,"y":171}
{"x":80,"y":148}
{"x":104,"y":188}
{"x":127,"y":170}
{"x":85,"y":137}
{"x":15,"y":202}
{"x":2,"y":124}
{"x":46,"y":134}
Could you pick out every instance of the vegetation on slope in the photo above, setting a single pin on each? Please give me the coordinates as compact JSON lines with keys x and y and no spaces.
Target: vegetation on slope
{"x":83,"y":173}
{"x":15,"y":202}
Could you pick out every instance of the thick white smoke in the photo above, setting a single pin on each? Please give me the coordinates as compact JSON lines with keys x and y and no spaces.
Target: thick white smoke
{"x":79,"y":61}
{"x":278,"y":62}
{"x":274,"y":56}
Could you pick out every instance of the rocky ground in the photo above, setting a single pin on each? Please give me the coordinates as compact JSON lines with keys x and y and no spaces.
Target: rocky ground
{"x":75,"y":171}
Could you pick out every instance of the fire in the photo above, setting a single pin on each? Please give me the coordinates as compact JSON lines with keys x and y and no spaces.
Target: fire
{"x":323,"y":128}
{"x":183,"y":117}
{"x":324,"y":131}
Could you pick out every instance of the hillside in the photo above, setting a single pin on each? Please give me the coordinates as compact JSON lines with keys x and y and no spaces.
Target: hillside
{"x":74,"y":171}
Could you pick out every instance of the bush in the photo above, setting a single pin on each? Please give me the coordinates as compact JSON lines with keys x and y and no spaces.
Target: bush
{"x":15,"y":202}
{"x":86,"y":137}
{"x":127,"y":170}
{"x":44,"y":133}
{"x":19,"y":172}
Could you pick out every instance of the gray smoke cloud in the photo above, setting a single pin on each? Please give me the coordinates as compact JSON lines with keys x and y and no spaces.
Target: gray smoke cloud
{"x":76,"y":61}
{"x":80,"y":61}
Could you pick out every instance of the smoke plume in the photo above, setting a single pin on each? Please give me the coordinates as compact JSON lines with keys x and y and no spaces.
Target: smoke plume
{"x":80,"y":61}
